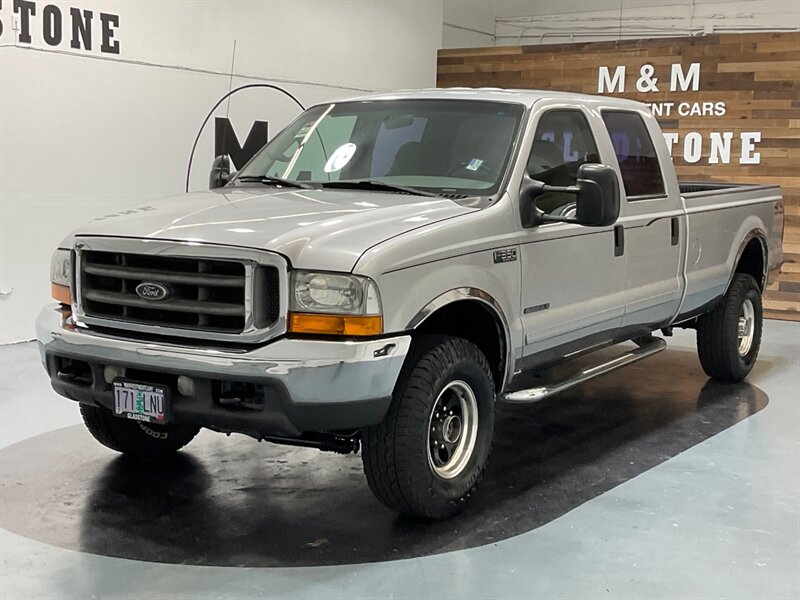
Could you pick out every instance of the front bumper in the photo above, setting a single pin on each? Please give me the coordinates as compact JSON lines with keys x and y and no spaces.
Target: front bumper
{"x":306,"y":385}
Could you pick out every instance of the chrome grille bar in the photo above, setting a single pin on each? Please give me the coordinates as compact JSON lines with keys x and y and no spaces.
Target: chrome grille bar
{"x":202,"y":308}
{"x":203,"y":279}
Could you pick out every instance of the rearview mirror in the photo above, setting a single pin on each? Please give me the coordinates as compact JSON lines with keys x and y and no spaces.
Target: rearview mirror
{"x":398,"y":121}
{"x":220,"y":172}
{"x":597,"y":199}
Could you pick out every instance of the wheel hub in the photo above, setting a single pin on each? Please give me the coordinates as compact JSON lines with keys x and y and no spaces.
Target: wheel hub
{"x":452,"y":429}
{"x":746,"y":329}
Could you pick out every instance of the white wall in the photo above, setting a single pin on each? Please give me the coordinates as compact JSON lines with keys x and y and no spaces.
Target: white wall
{"x":468,"y":23}
{"x":84,"y":133}
{"x":563,"y":21}
{"x":513,"y":22}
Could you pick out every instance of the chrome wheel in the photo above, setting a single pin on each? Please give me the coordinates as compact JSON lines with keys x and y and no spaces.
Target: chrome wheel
{"x":747,"y":327}
{"x":452,"y":429}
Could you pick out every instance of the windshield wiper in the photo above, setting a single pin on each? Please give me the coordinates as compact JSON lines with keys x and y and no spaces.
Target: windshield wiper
{"x":266,"y":179}
{"x":374,"y":184}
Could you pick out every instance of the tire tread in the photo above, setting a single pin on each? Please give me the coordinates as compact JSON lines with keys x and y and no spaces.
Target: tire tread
{"x":125,"y":437}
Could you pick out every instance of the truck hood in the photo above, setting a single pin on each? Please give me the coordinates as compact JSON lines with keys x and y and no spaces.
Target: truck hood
{"x":319,"y":229}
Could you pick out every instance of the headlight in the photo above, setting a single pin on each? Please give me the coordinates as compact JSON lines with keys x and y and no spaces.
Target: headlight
{"x":334,"y":293}
{"x":60,"y":274}
{"x":334,"y":304}
{"x":60,"y":267}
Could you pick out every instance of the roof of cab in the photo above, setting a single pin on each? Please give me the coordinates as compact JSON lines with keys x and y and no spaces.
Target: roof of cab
{"x":522,"y":96}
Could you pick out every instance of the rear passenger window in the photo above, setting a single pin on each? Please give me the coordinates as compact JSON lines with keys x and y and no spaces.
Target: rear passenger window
{"x":638,"y":161}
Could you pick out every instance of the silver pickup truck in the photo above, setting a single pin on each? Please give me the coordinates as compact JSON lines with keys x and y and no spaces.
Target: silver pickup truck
{"x":379,"y":274}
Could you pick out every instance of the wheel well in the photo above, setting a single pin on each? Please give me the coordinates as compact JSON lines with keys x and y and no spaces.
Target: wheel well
{"x":752,"y":261}
{"x":476,"y":322}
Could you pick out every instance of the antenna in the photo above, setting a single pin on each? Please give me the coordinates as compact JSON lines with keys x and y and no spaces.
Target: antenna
{"x":228,"y":105}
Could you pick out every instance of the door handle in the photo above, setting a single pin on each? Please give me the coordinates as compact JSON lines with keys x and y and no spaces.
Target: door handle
{"x":619,"y":240}
{"x":676,"y":231}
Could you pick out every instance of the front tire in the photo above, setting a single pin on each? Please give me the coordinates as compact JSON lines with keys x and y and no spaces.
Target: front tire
{"x":729,"y":337}
{"x":144,"y":440}
{"x":429,"y":453}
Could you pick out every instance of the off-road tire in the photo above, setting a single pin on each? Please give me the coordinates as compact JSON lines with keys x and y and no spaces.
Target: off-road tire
{"x":395,"y":452}
{"x":717,"y":332}
{"x":144,"y":440}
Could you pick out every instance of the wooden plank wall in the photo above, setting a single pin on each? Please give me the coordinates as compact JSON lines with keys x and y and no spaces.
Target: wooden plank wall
{"x":757,"y":76}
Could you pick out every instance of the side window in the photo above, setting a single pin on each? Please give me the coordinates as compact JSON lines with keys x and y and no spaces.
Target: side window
{"x":638,"y":161}
{"x":563,"y":142}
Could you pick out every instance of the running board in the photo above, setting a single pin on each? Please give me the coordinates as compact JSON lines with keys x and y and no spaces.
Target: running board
{"x":652,"y":346}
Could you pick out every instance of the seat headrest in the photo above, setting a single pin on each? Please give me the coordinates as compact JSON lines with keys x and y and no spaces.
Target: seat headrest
{"x":545,"y":155}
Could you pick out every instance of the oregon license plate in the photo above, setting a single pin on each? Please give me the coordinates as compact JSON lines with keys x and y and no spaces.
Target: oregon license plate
{"x":140,"y":401}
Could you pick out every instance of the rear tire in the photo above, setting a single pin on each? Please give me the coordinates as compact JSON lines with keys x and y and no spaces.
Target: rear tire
{"x":729,"y":337}
{"x":429,"y":453}
{"x":145,"y":440}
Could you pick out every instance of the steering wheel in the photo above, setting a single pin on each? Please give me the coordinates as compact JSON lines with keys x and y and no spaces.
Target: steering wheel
{"x":567,"y":210}
{"x":482,"y":168}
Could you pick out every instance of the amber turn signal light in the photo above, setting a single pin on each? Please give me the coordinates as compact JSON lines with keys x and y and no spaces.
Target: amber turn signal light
{"x":61,"y":293}
{"x":335,"y":324}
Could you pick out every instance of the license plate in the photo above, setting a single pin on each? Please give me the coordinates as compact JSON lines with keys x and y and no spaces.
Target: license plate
{"x":140,"y":401}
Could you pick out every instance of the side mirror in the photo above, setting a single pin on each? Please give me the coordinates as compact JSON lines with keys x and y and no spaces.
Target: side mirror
{"x":597,"y":198}
{"x":598,"y":195}
{"x":220,"y":172}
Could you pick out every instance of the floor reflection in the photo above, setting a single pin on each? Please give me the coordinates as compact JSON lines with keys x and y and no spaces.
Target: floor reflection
{"x":232,"y":501}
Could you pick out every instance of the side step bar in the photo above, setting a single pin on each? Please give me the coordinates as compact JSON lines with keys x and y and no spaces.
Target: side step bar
{"x":650,"y":347}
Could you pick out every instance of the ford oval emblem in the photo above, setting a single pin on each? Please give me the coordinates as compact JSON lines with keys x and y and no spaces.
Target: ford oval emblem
{"x":152,"y":291}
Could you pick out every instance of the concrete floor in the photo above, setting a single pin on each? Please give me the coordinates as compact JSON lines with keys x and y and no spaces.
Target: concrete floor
{"x":714,"y":516}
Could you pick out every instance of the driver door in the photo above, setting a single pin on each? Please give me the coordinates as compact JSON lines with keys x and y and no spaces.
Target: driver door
{"x":572,"y":288}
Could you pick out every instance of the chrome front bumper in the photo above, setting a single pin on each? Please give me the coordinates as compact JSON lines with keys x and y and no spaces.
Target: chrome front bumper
{"x":315,"y":385}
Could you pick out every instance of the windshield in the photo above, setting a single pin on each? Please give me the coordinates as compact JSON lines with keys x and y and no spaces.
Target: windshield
{"x":440,"y":146}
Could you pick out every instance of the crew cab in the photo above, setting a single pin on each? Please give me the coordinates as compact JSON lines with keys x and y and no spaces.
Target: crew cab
{"x":381,"y":273}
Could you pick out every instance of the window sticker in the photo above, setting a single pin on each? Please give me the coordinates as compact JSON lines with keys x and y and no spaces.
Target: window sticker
{"x":340,"y":157}
{"x":474,"y":164}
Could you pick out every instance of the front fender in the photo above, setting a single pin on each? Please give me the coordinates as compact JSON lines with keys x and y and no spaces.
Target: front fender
{"x":410,"y":295}
{"x":490,"y":303}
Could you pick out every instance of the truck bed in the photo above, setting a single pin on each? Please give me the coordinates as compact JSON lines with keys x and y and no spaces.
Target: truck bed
{"x":694,"y":189}
{"x":719,"y":216}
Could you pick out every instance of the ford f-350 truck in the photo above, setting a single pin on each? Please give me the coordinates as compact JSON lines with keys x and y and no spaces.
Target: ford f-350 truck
{"x":380,"y":273}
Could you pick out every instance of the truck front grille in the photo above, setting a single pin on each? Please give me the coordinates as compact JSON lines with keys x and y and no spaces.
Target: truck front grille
{"x":201,"y":294}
